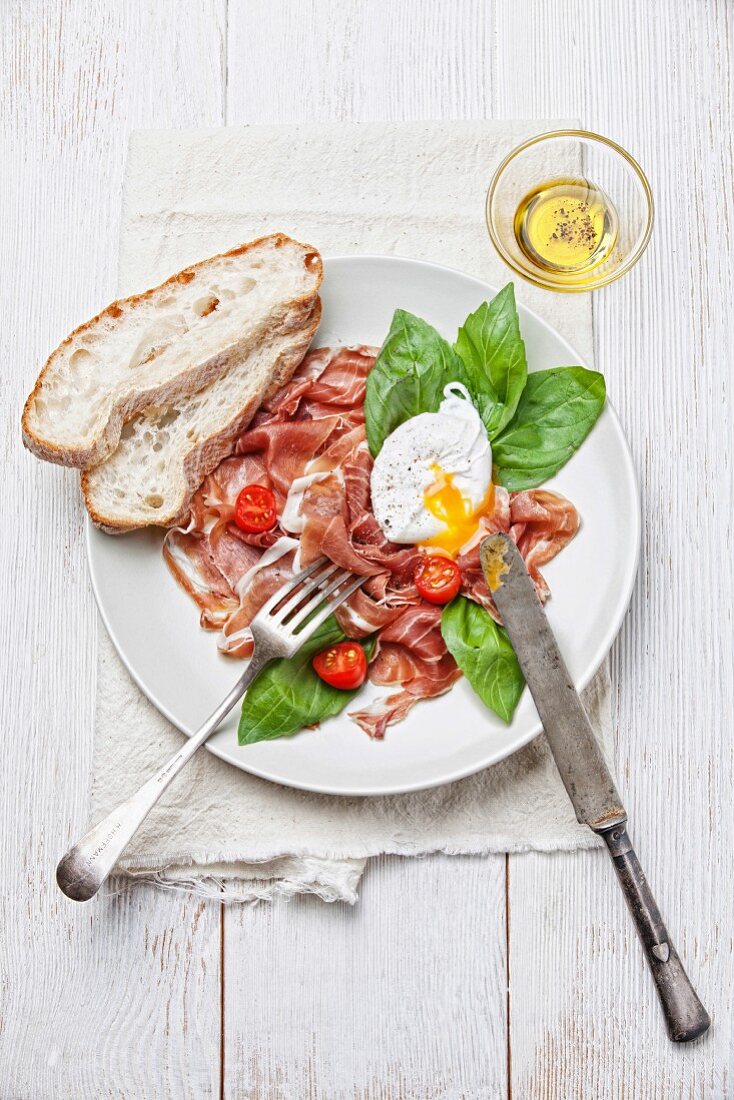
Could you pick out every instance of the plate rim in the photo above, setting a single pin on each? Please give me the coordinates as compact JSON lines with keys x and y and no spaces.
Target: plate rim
{"x":493,"y":757}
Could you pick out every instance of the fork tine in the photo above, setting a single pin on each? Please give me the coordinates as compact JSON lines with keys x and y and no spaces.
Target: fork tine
{"x":298,"y":596}
{"x":313,"y":624}
{"x":321,"y":594}
{"x":287,"y":588}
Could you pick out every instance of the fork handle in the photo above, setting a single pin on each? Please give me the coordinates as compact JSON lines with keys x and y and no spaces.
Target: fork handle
{"x":85,"y":867}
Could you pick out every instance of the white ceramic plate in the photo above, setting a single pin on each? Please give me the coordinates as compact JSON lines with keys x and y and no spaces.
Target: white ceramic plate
{"x":154,"y":625}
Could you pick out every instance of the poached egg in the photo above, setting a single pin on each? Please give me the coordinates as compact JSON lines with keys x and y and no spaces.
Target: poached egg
{"x":432,"y":479}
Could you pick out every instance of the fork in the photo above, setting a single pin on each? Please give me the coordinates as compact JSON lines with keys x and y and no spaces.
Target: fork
{"x":279,"y":629}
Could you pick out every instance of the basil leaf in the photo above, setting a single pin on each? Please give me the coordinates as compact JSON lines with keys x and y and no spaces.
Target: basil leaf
{"x":409,"y":375}
{"x":288,"y":695}
{"x":483,"y":652}
{"x":557,"y":410}
{"x":490,"y":344}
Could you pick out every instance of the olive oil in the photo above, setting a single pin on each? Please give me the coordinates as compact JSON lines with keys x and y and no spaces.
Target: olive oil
{"x":566,"y":226}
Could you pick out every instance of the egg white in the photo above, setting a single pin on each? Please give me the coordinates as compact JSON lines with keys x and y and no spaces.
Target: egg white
{"x":452,"y":440}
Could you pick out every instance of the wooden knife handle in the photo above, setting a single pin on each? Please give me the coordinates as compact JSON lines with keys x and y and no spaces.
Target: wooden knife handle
{"x":685,"y":1016}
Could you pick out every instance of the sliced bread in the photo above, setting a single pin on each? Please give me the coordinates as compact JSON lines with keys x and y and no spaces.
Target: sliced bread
{"x":166,"y":344}
{"x":166,"y":452}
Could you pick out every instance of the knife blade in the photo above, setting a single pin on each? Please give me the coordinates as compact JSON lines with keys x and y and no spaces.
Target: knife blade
{"x":585,"y":774}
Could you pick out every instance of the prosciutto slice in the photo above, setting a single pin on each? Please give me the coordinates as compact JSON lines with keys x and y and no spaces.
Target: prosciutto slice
{"x":539,"y":521}
{"x":410,"y":653}
{"x":308,"y":444}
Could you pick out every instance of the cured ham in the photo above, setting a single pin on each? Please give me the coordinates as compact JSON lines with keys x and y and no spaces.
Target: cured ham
{"x":542,"y":524}
{"x":412,"y":654}
{"x":308,"y":445}
{"x":255,"y":588}
{"x":211,"y":554}
{"x":539,"y":521}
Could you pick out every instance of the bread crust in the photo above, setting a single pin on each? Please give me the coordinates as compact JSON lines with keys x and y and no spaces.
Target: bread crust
{"x":204,"y":457}
{"x":172,"y":390}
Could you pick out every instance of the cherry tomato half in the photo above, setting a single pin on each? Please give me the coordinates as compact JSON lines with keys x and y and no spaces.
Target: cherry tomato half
{"x":255,"y":509}
{"x":343,"y":665}
{"x":438,"y":579}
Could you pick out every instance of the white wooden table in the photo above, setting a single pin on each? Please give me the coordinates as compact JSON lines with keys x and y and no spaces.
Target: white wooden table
{"x":476,"y":978}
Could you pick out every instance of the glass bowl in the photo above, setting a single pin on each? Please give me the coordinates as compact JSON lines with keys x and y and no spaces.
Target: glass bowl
{"x":576,"y":154}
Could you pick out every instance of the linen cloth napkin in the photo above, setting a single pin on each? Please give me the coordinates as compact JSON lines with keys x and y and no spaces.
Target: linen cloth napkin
{"x":410,"y":189}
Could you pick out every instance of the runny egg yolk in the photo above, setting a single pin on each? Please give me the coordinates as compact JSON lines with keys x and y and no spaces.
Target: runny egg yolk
{"x":444,"y":500}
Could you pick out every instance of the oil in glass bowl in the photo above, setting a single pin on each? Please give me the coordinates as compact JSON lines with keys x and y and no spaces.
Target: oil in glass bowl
{"x":566,"y":227}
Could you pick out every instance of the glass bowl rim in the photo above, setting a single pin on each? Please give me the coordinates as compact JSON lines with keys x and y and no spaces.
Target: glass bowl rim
{"x":539,"y":281}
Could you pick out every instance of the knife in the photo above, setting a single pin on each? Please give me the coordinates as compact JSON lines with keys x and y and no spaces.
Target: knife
{"x":585,"y":775}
